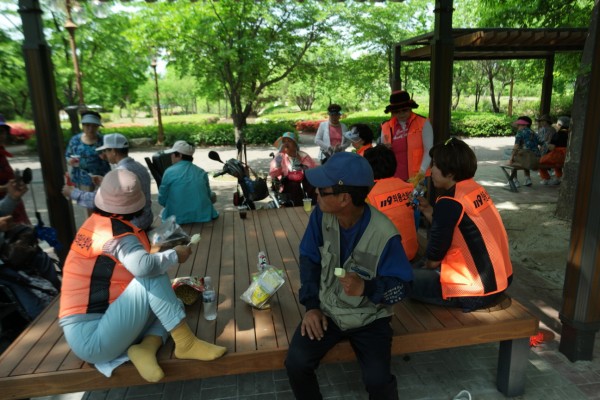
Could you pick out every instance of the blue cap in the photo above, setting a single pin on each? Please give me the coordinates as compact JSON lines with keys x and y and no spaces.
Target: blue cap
{"x":344,"y":169}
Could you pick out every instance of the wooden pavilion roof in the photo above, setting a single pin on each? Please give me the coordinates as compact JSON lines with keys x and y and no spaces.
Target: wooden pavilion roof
{"x":499,"y":43}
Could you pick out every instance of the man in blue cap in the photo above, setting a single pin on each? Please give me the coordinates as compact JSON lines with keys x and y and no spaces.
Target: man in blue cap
{"x":352,"y":270}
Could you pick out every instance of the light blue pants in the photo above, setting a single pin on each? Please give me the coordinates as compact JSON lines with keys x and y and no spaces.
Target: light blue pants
{"x":148,"y":306}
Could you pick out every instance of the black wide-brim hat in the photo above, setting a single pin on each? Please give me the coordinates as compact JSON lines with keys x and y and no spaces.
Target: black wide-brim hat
{"x":400,"y":99}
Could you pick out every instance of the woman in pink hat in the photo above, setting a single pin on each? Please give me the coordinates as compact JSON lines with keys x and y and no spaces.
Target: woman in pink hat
{"x":525,"y":139}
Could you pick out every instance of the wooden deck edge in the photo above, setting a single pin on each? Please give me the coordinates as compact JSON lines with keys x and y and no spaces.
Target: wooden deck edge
{"x":88,"y":378}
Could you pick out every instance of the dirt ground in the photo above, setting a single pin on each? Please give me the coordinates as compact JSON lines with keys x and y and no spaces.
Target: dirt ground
{"x":539,"y":241}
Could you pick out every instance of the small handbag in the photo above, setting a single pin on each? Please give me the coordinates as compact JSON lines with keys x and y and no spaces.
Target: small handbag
{"x":526,"y":159}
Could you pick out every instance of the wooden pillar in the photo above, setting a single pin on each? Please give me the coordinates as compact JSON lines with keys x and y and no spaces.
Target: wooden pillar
{"x":546,"y":99}
{"x":396,"y":83}
{"x":580,"y":311}
{"x":42,"y":93}
{"x":442,"y":57}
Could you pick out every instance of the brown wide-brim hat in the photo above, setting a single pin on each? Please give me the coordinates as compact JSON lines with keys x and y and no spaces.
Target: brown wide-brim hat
{"x":400,"y":99}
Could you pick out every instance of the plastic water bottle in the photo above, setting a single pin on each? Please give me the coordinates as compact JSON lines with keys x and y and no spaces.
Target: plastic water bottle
{"x":209,"y":298}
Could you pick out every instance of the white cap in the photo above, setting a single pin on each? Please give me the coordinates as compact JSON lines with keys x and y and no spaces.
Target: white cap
{"x":183,"y":147}
{"x":114,"y":141}
{"x":352,"y":135}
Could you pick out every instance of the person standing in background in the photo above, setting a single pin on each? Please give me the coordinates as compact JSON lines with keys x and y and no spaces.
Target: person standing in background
{"x":116,"y":152}
{"x":81,"y":153}
{"x":410,"y":136}
{"x":330,"y":134}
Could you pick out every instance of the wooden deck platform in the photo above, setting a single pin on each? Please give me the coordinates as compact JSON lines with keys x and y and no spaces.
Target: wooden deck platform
{"x":40,"y":362}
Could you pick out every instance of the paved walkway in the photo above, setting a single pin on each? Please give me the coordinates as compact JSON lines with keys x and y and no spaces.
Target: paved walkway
{"x":429,"y":375}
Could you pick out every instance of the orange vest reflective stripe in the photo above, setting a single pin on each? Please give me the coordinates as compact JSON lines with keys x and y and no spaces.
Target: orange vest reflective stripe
{"x":390,"y":196}
{"x":93,"y":279}
{"x":414,"y":141}
{"x":478,"y":260}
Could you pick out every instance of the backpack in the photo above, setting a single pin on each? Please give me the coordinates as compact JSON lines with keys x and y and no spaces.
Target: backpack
{"x":20,"y":247}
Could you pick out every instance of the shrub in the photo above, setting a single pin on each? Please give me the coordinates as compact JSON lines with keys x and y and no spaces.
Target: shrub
{"x":480,"y":124}
{"x":308,"y":126}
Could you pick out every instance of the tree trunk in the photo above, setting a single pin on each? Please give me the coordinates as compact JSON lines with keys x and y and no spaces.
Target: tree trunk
{"x":510,"y":97}
{"x":489,"y":69}
{"x":73,"y":118}
{"x":568,"y":188}
{"x":457,"y":91}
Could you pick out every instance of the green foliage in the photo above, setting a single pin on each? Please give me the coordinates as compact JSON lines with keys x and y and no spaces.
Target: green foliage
{"x":205,"y":134}
{"x":470,"y":124}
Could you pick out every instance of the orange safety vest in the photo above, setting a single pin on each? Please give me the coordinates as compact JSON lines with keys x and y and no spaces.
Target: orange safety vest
{"x":92,"y":279}
{"x":478,"y":260}
{"x":390,"y":196}
{"x":414,"y":140}
{"x":361,"y":151}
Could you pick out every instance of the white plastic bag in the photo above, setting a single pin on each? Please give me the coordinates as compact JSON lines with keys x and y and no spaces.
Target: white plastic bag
{"x":168,"y":233}
{"x":263,"y":287}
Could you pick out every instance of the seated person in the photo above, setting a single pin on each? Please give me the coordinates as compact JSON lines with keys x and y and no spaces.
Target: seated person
{"x":525,"y":139}
{"x":557,"y":152}
{"x":116,"y":297}
{"x":185,"y":191}
{"x":345,"y":233}
{"x":288,"y":166}
{"x":7,"y":173}
{"x":116,"y":152}
{"x":27,"y":271}
{"x":545,"y":128}
{"x":361,"y":137}
{"x":467,"y":261}
{"x":391,"y":195}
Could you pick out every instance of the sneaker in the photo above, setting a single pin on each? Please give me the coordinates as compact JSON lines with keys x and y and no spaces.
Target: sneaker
{"x":544,"y":181}
{"x":528,"y":181}
{"x":517,"y":183}
{"x":553,"y":182}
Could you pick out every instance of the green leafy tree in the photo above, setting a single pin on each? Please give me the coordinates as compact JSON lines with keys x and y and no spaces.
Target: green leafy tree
{"x":112,"y":69}
{"x":245,"y":45}
{"x":14,"y":94}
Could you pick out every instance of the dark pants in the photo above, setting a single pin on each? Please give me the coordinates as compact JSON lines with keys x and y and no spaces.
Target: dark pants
{"x":372,"y":346}
{"x":426,"y":287}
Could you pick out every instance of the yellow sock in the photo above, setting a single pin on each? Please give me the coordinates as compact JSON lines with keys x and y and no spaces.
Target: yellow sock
{"x":189,"y":347}
{"x":143,"y":357}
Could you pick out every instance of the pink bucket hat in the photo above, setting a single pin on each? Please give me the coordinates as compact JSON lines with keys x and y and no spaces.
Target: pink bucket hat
{"x":120,"y":193}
